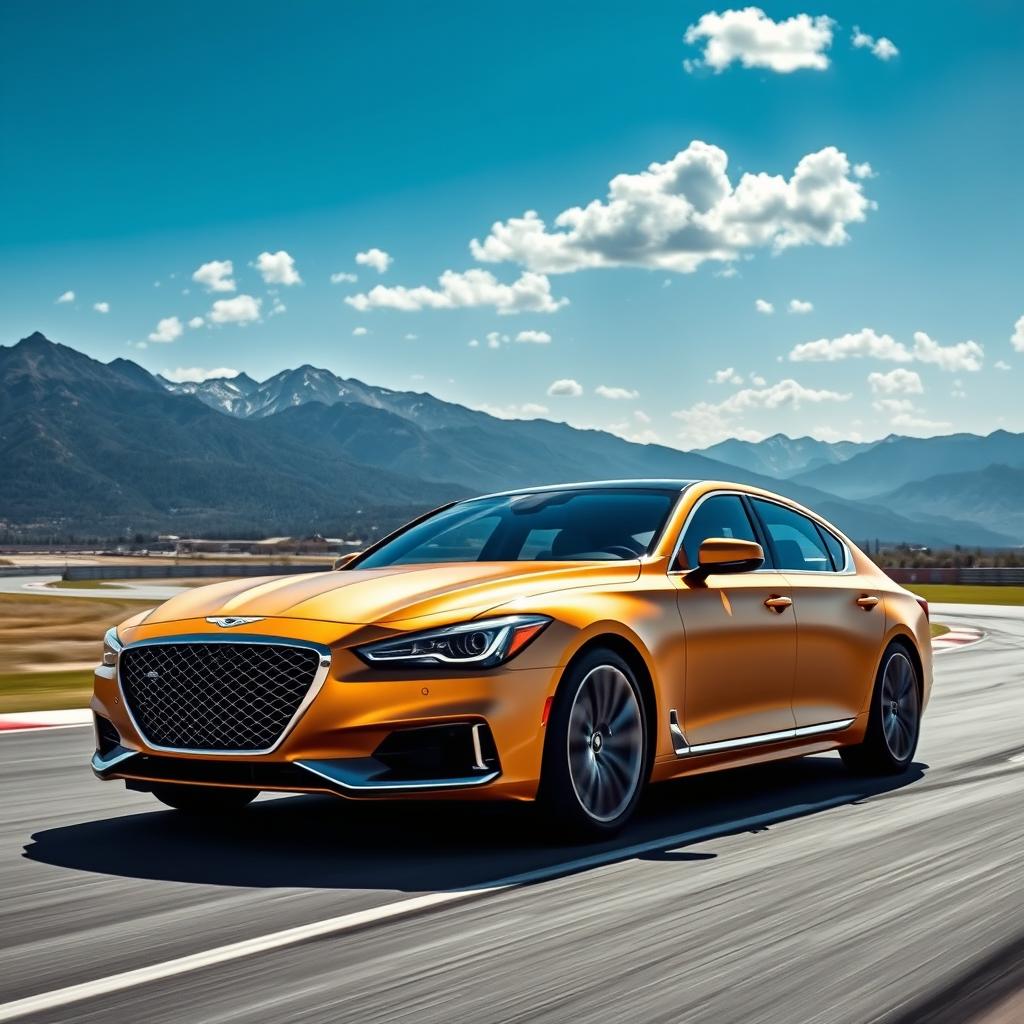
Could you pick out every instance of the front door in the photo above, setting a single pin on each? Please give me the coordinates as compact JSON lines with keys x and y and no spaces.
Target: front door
{"x":740,"y":637}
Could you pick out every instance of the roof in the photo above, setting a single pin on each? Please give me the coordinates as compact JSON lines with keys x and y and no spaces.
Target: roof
{"x":595,"y":485}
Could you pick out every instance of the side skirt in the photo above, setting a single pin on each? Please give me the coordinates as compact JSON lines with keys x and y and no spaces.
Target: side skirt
{"x":684,"y":749}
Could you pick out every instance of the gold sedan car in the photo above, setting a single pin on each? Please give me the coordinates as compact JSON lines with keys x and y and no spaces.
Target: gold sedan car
{"x":563,"y":644}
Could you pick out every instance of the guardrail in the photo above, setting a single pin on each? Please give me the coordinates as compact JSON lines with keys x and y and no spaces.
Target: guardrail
{"x":155,"y":572}
{"x":162,"y":572}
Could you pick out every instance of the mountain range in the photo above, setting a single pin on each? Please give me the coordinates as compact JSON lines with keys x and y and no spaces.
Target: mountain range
{"x":106,"y":449}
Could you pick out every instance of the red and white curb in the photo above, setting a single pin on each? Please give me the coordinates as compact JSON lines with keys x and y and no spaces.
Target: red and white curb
{"x":68,"y":719}
{"x":961,"y":636}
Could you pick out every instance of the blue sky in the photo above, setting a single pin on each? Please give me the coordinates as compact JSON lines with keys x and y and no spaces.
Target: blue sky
{"x":141,"y":142}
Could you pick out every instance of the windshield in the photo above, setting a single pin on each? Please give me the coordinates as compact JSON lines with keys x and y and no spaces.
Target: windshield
{"x":574,"y":526}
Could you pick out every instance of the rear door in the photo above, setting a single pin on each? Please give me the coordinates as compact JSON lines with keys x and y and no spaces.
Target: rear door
{"x":840,"y":623}
{"x":740,"y":651}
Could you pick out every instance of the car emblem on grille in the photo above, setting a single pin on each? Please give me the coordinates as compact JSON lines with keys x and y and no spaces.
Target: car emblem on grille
{"x":227,"y":621}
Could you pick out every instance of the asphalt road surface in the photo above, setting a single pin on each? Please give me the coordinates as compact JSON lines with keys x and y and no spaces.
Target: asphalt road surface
{"x":789,"y":893}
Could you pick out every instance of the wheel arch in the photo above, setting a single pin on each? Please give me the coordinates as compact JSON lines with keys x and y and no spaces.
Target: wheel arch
{"x":630,"y":652}
{"x":905,"y":639}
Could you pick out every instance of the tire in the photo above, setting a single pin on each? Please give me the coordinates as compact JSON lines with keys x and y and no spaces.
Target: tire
{"x":596,"y":751}
{"x":894,"y":723}
{"x":204,"y":801}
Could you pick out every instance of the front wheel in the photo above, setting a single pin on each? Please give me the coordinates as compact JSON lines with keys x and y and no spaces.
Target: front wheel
{"x":595,"y":757}
{"x":894,"y":722}
{"x":204,"y":801}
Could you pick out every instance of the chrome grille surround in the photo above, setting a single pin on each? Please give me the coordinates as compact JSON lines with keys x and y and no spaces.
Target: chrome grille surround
{"x":238,"y":694}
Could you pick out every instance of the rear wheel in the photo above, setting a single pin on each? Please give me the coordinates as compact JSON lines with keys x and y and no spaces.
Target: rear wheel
{"x":595,"y":760}
{"x":204,"y":801}
{"x":894,"y":723}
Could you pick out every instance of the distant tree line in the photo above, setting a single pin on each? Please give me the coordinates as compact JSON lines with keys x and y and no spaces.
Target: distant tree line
{"x":907,"y":556}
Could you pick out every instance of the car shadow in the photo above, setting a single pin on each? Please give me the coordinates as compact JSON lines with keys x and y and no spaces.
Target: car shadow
{"x":328,"y":843}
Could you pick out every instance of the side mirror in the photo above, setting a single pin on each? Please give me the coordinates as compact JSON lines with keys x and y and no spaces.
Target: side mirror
{"x":340,"y":563}
{"x":723,"y":555}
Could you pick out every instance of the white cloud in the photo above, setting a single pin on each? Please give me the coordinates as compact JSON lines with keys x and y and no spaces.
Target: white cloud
{"x":526,"y":411}
{"x":616,"y":393}
{"x":749,"y":37}
{"x":800,"y":306}
{"x":242,"y":309}
{"x":68,"y":296}
{"x":678,"y":215}
{"x":410,"y":337}
{"x":495,"y":339}
{"x":1017,"y":340}
{"x":1002,"y":365}
{"x":863,"y":170}
{"x":764,"y":306}
{"x":726,"y":376}
{"x":341,"y":277}
{"x":565,"y":388}
{"x":757,"y":380}
{"x":167,"y":330}
{"x":729,"y":271}
{"x":216,"y":276}
{"x":278,"y":268}
{"x":197,"y":373}
{"x":196,"y":322}
{"x":709,"y":422}
{"x":905,"y":416}
{"x":959,"y":391}
{"x":832,"y":434}
{"x":896,"y":382}
{"x":865,"y":342}
{"x":531,"y":293}
{"x":376,"y":258}
{"x":278,"y":308}
{"x":963,"y":356}
{"x":882,"y":48}
{"x":358,"y":332}
{"x":534,"y":337}
{"x":640,"y":416}
{"x":474,"y":343}
{"x":101,"y":307}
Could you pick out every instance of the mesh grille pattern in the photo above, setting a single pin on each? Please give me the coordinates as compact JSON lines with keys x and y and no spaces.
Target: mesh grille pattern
{"x":216,"y":696}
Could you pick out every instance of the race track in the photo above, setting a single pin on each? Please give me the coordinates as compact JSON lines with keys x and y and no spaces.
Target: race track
{"x":791,"y":893}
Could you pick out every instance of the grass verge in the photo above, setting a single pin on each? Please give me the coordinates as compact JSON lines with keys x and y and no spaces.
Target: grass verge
{"x":965,"y":593}
{"x":45,"y":691}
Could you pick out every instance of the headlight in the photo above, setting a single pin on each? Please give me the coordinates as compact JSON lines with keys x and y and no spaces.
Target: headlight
{"x":481,"y":644}
{"x":111,"y":647}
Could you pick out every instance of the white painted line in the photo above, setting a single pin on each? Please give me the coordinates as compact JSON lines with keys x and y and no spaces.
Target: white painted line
{"x":402,"y":908}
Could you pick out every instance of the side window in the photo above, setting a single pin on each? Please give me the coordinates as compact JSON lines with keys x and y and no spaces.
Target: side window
{"x":721,"y":515}
{"x":797,"y":542}
{"x":835,"y":548}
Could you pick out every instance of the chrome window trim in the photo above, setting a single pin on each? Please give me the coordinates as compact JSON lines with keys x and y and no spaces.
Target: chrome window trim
{"x":684,"y":749}
{"x":848,"y":567}
{"x":323,"y":670}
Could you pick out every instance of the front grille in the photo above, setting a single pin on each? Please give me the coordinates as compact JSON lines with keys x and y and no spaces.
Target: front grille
{"x":216,"y":696}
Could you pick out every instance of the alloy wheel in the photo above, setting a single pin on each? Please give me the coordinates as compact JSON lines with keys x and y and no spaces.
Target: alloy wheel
{"x":605,"y":743}
{"x":900,"y":706}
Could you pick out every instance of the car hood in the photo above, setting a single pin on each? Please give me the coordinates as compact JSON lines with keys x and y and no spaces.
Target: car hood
{"x":361,"y":596}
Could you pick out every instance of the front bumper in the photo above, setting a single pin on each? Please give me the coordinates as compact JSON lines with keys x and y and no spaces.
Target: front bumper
{"x":366,"y":732}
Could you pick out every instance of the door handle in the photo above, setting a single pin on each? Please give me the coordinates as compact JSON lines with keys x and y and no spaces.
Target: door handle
{"x":867,"y":601}
{"x":777,"y":603}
